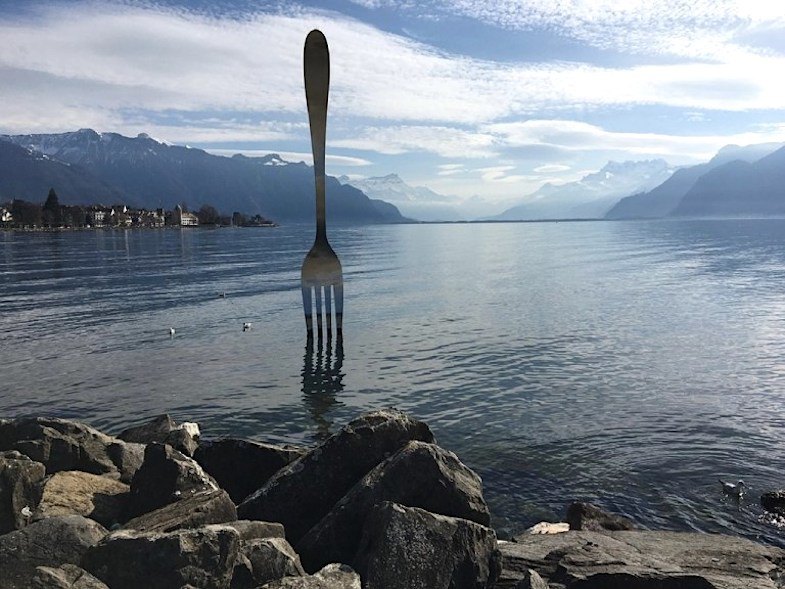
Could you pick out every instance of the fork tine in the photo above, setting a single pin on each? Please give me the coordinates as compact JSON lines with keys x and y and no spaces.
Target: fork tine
{"x":308,"y":309}
{"x":319,"y":309}
{"x":328,"y":311}
{"x":339,"y":307}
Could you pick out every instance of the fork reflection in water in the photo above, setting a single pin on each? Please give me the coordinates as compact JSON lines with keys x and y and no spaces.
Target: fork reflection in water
{"x":322,"y":380}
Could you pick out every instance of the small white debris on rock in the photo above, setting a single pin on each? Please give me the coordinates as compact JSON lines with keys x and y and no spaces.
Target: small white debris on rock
{"x":549,"y":528}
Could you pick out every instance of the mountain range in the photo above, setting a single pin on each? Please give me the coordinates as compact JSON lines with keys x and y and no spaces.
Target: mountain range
{"x":591,"y":196}
{"x":417,"y":202}
{"x":738,"y":180}
{"x":86,"y":167}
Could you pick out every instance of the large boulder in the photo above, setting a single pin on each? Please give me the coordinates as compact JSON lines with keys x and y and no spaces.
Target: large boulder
{"x":153,"y":430}
{"x":333,"y":576}
{"x":127,"y":559}
{"x":166,"y":476}
{"x":67,"y":576}
{"x":418,"y":475}
{"x":127,"y":457}
{"x":271,"y":559}
{"x":410,"y":548}
{"x":303,"y":492}
{"x":19,"y":491}
{"x":72,"y":492}
{"x":164,"y":430}
{"x":585,"y":516}
{"x":62,"y":444}
{"x":206,"y":507}
{"x":642,"y":560}
{"x":241,"y":466}
{"x":50,"y":542}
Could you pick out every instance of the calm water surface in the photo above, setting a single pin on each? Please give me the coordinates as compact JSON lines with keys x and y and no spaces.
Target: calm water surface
{"x":626,"y":363}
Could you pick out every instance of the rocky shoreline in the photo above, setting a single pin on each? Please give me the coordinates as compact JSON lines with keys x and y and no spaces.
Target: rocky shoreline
{"x":378,"y":505}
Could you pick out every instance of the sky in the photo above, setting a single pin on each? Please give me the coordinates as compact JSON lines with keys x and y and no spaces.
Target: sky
{"x":479,"y":99}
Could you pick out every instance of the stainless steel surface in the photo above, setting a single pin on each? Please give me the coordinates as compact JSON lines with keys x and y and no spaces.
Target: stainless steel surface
{"x":321,"y":272}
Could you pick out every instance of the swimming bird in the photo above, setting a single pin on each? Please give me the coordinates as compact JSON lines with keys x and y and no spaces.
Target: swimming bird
{"x":736,"y":490}
{"x":222,"y":295}
{"x":247,"y":325}
{"x":171,"y":332}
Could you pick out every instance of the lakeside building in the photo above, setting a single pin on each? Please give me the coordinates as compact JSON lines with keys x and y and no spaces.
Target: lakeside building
{"x":183,"y":218}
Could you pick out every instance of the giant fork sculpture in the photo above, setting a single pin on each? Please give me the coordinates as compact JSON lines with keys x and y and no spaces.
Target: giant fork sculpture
{"x":321,"y":267}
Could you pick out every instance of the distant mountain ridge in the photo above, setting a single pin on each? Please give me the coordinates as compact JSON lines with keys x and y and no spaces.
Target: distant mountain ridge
{"x":417,"y":202}
{"x":738,"y":188}
{"x":666,"y":198}
{"x":144,"y":172}
{"x":593,"y":195}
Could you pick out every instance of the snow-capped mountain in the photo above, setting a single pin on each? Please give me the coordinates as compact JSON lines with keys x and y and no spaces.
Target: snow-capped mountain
{"x":416,"y":202}
{"x":593,"y":195}
{"x":145,"y":172}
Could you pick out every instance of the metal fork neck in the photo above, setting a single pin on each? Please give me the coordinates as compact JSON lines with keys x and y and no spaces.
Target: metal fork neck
{"x":321,"y":223}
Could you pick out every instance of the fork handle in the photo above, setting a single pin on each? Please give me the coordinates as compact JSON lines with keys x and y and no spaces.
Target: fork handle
{"x":316,"y":70}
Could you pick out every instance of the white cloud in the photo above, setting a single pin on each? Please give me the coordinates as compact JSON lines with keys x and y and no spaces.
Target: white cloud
{"x":102,"y":60}
{"x":445,"y":141}
{"x":551,"y":168}
{"x":688,"y":28}
{"x":499,"y":174}
{"x":579,"y":136}
{"x":450,"y":169}
{"x":293,"y":156}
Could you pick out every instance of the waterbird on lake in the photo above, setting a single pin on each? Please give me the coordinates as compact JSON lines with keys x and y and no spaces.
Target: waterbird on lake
{"x":247,"y":325}
{"x":171,"y":332}
{"x":736,"y":490}
{"x":222,"y":294}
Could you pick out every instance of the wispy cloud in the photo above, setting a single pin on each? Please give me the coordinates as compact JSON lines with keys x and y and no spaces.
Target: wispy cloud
{"x":707,"y":29}
{"x":444,"y":141}
{"x":100,"y":59}
{"x":580,"y":136}
{"x":294,"y":156}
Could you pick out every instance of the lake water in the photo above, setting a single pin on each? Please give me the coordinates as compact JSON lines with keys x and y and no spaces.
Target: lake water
{"x":626,"y":363}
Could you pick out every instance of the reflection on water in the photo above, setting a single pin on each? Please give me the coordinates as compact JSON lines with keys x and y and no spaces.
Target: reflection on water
{"x":629,"y":364}
{"x":322,"y":380}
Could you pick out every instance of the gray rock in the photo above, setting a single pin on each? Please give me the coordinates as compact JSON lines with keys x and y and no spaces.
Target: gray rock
{"x":154,"y":430}
{"x":59,"y":444}
{"x":302,"y":493}
{"x":333,"y":576}
{"x":241,"y":466}
{"x":67,"y":576}
{"x":166,"y":476}
{"x":252,"y":529}
{"x":271,"y":559}
{"x":129,"y":560}
{"x":418,"y":475}
{"x":531,"y":580}
{"x":72,"y":492}
{"x":242,"y":574}
{"x":642,"y":560}
{"x":50,"y":542}
{"x":206,"y":507}
{"x":774,"y":501}
{"x":585,"y":516}
{"x":410,"y":548}
{"x":182,"y":441}
{"x":19,"y":479}
{"x":127,"y":457}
